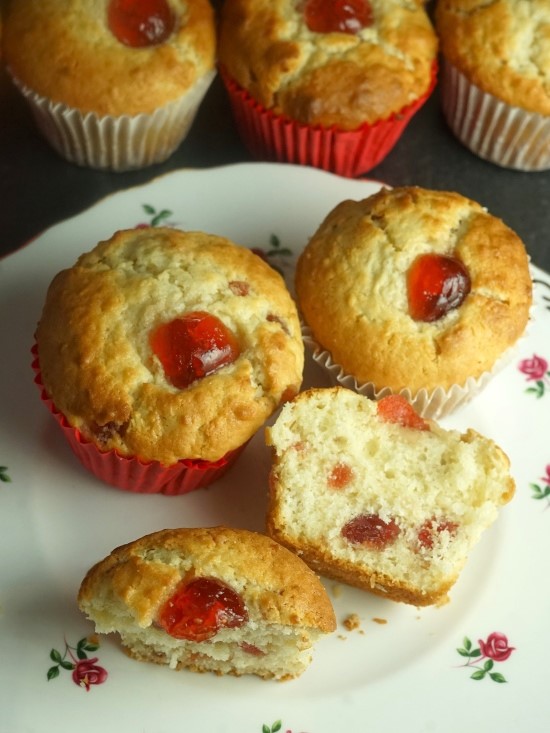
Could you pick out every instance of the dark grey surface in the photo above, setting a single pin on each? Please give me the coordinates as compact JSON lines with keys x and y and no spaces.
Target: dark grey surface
{"x":38,"y":188}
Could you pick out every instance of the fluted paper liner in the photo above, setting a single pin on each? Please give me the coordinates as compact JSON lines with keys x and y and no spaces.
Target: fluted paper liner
{"x":131,"y":473}
{"x":348,"y":153}
{"x":492,"y":129}
{"x":116,"y":143}
{"x":431,"y":404}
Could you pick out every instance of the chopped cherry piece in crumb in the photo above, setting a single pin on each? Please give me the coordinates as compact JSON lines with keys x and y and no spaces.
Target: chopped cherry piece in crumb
{"x":395,"y":409}
{"x":252,"y":649}
{"x":140,"y":23}
{"x":371,"y":531}
{"x":338,"y":16}
{"x":200,"y":608}
{"x":431,"y":527}
{"x":239,"y":287}
{"x":436,"y":284}
{"x":193,"y":346}
{"x":340,"y":476}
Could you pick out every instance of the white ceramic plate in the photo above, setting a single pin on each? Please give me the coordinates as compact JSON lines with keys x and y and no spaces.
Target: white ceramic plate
{"x":401,"y":669}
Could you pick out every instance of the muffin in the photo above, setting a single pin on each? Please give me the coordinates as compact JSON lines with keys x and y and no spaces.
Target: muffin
{"x":111,"y":84}
{"x":371,"y":494}
{"x":331,"y":85}
{"x":416,"y":292}
{"x":218,"y":600}
{"x":495,"y":87}
{"x":162,"y":352}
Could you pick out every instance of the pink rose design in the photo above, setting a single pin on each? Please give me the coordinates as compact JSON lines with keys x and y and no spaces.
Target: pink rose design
{"x":534,"y":368}
{"x":546,"y":478}
{"x":496,"y":647}
{"x":87,"y":673}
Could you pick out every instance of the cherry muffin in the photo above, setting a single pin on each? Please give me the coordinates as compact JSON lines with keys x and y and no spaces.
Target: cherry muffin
{"x":112,"y":84}
{"x":331,"y":85}
{"x":374,"y":495}
{"x":218,"y":600}
{"x":495,"y":88}
{"x":162,"y":352}
{"x":414,"y":291}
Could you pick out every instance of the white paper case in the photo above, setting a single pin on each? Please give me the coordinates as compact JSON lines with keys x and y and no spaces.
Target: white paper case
{"x":432,"y":404}
{"x":116,"y":143}
{"x":495,"y":131}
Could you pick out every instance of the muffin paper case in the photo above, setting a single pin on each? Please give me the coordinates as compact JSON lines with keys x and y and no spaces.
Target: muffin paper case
{"x":116,"y":143}
{"x":431,"y":404}
{"x":133,"y":474}
{"x":495,"y":131}
{"x":348,"y":153}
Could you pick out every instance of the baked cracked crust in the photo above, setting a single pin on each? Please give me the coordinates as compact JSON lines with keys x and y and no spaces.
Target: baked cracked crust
{"x":351,"y":288}
{"x":98,"y":366}
{"x":65,"y":52}
{"x":334,"y":78}
{"x":503,"y":47}
{"x":288,"y":607}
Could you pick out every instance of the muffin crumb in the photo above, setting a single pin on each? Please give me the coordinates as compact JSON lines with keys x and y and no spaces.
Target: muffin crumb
{"x":352,"y":622}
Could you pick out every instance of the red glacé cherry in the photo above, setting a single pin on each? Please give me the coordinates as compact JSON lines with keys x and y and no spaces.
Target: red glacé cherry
{"x":394,"y":408}
{"x":428,"y":531}
{"x":340,"y":476}
{"x":436,"y":284}
{"x":200,"y":608}
{"x":139,"y":23}
{"x":338,"y":16}
{"x":371,"y":531}
{"x":193,"y":346}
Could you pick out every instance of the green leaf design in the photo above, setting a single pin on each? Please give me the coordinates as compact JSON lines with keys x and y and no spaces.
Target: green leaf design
{"x":149,"y":209}
{"x":266,"y":728}
{"x":53,"y":672}
{"x":164,"y":214}
{"x":67,"y":665}
{"x":274,"y":241}
{"x":4,"y":475}
{"x":467,"y":643}
{"x":277,"y":725}
{"x":489,"y":664}
{"x":284,"y":252}
{"x":497,"y":677}
{"x":81,"y":654}
{"x":538,"y":391}
{"x":479,"y":674}
{"x":55,"y":656}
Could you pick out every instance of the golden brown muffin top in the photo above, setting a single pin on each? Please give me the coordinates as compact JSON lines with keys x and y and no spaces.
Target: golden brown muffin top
{"x":351,"y":285}
{"x":503,"y":47}
{"x":65,"y":51}
{"x":100,"y":370}
{"x":328,"y":78}
{"x":277,"y":587}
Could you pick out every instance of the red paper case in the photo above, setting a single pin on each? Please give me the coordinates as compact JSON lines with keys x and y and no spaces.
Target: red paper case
{"x":349,"y":153}
{"x":133,"y":474}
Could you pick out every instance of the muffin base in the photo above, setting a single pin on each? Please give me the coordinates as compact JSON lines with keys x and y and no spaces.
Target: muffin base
{"x":348,"y":153}
{"x":495,"y":131}
{"x":431,"y":404}
{"x":116,"y":143}
{"x":131,"y":473}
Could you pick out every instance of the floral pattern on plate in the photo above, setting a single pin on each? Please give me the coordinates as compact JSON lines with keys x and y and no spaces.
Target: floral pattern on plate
{"x":85,"y":670}
{"x":494,"y":649}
